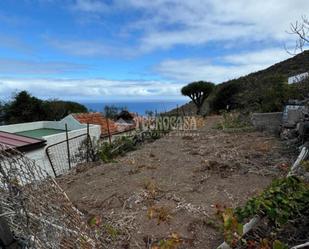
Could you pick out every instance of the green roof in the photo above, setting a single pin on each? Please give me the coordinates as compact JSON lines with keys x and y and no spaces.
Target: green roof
{"x":39,"y":133}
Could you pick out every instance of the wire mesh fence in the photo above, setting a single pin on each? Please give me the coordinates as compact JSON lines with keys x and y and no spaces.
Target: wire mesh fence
{"x":35,"y":210}
{"x":68,"y":153}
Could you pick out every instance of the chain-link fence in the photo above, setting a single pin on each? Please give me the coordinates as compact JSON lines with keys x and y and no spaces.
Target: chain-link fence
{"x":68,"y":153}
{"x":34,"y":211}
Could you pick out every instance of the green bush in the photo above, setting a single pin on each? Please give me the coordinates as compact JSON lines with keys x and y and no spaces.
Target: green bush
{"x":233,"y":120}
{"x":120,"y":146}
{"x":285,"y":199}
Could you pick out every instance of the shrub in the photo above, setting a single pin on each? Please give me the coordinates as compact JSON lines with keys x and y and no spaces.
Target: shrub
{"x":108,"y":151}
{"x":233,"y":120}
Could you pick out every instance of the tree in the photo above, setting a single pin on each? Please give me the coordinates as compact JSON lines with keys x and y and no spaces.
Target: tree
{"x":112,"y":111}
{"x":198,"y":92}
{"x":24,"y":108}
{"x":225,"y":97}
{"x":57,"y":109}
{"x":301,"y":30}
{"x":149,"y":113}
{"x":265,"y":94}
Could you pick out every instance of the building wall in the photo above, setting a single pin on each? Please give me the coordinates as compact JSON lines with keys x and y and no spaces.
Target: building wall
{"x":298,"y":78}
{"x":40,"y":155}
{"x":267,"y":121}
{"x":74,"y":127}
{"x":60,"y":125}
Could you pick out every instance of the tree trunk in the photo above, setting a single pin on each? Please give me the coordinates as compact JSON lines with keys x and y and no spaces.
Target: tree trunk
{"x":198,"y":111}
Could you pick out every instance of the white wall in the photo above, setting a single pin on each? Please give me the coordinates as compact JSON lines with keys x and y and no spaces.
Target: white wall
{"x":71,"y":122}
{"x":298,"y":78}
{"x":39,"y":155}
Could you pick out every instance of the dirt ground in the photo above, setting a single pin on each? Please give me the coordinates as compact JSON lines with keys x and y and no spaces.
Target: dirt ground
{"x":167,"y":191}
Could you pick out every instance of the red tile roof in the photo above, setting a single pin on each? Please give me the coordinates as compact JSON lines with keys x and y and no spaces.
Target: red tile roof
{"x":19,"y":142}
{"x":97,"y":119}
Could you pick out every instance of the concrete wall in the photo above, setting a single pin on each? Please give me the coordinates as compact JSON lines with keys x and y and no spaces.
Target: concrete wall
{"x":40,"y":155}
{"x":71,"y":122}
{"x":74,"y":127}
{"x":267,"y":121}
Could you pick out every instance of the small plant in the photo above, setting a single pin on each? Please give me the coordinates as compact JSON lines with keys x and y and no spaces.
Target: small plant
{"x":119,"y":147}
{"x":111,"y":231}
{"x":162,"y":214}
{"x":170,"y":243}
{"x":285,"y":199}
{"x":151,"y":188}
{"x":233,"y":230}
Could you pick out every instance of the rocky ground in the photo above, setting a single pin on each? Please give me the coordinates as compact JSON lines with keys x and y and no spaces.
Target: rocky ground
{"x":166,"y":192}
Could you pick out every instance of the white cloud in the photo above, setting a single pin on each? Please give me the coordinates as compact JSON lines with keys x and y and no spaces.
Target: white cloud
{"x":89,"y":48}
{"x":90,"y":89}
{"x":15,"y":66}
{"x":231,"y":66}
{"x":198,"y":22}
{"x":163,"y":24}
{"x":90,"y":6}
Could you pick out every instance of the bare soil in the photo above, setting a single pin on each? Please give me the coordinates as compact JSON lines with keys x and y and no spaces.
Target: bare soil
{"x":168,"y":190}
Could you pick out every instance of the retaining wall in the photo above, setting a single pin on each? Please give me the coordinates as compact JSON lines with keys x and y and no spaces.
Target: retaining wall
{"x":267,"y":121}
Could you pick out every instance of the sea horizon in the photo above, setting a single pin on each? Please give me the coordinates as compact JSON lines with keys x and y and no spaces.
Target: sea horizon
{"x":139,"y":107}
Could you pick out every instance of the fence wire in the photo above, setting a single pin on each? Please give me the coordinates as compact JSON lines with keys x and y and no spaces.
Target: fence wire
{"x":68,"y":153}
{"x":36,"y":210}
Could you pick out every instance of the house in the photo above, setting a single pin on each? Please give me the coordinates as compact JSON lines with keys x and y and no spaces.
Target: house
{"x":126,"y":121}
{"x":298,"y":78}
{"x":107,"y":126}
{"x":19,"y":142}
{"x":34,"y":138}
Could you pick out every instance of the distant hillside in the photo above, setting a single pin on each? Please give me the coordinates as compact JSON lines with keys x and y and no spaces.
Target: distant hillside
{"x":239,"y":93}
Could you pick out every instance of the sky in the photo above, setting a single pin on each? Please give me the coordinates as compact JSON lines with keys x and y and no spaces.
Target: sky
{"x":116,"y":50}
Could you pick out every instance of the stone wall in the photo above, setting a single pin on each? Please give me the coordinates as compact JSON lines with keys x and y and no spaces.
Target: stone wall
{"x":267,"y":121}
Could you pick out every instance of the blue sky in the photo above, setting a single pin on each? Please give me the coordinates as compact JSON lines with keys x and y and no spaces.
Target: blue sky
{"x":96,"y":50}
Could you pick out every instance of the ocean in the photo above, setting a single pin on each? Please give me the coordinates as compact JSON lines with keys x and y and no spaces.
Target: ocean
{"x":138,"y":107}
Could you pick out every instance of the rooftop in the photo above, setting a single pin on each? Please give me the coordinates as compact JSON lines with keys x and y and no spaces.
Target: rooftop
{"x":97,"y":119}
{"x":20,"y":142}
{"x":40,"y":133}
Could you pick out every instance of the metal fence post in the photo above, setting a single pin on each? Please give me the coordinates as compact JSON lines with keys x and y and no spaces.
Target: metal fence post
{"x":68,"y":145}
{"x":88,"y":138}
{"x":108,"y":130}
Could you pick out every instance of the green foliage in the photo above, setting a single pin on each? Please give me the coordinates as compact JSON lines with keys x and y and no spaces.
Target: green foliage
{"x":265,"y":90}
{"x":58,"y":109}
{"x":224,"y":97}
{"x":108,"y":151}
{"x":285,"y":199}
{"x":233,"y":120}
{"x":198,"y":92}
{"x":26,"y":108}
{"x":233,"y":230}
{"x":267,"y":94}
{"x":173,"y":242}
{"x":279,"y":245}
{"x":111,"y":231}
{"x":112,"y":111}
